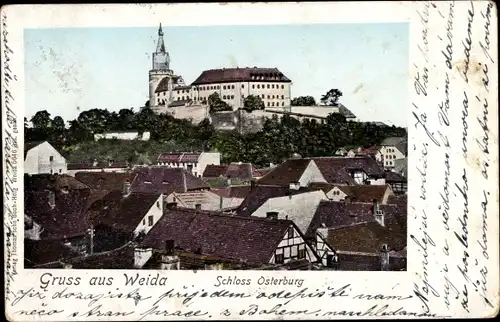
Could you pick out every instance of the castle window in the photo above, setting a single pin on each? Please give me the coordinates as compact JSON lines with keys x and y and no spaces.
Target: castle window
{"x":178,"y":92}
{"x":232,"y":96}
{"x":218,"y":86}
{"x":242,"y":85}
{"x":262,"y":95}
{"x":253,"y":86}
{"x":282,"y":97}
{"x":268,"y":104}
{"x":158,"y":101}
{"x":232,"y":86}
{"x":224,"y":97}
{"x":282,"y":103}
{"x":242,"y":96}
{"x":273,"y":96}
{"x":272,"y":86}
{"x":273,"y":104}
{"x":224,"y":87}
{"x":282,"y":86}
{"x":268,"y":86}
{"x":268,"y":97}
{"x":258,"y":85}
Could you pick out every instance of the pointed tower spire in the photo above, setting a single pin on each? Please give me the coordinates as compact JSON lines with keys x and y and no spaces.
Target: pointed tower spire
{"x":160,"y":46}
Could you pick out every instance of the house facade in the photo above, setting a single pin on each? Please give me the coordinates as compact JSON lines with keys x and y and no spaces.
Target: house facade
{"x":392,"y":149}
{"x":195,"y":163}
{"x":43,"y":158}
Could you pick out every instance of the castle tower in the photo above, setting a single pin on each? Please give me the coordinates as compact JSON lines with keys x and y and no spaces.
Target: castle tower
{"x":160,"y":68}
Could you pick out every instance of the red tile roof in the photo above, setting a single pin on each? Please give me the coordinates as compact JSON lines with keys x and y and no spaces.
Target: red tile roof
{"x":233,"y":191}
{"x":158,"y":179}
{"x":359,"y":193}
{"x":55,"y":181}
{"x":246,"y":239}
{"x":179,"y":157}
{"x":241,"y":171}
{"x":105,"y":180}
{"x":230,"y":75}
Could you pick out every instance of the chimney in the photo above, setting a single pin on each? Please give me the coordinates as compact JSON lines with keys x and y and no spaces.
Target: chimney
{"x":384,"y":258}
{"x":126,"y":188}
{"x":169,"y":247}
{"x":294,"y":185}
{"x":273,"y":215}
{"x":221,"y":202}
{"x":378,"y":214}
{"x":197,"y":206}
{"x":52,"y":199}
{"x":141,"y":256}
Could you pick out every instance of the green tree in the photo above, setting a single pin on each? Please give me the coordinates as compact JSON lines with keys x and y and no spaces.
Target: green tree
{"x":41,"y":120}
{"x":58,"y":124}
{"x":216,"y":104}
{"x":331,"y":98}
{"x":252,"y":103}
{"x":303,"y":101}
{"x":95,"y":120}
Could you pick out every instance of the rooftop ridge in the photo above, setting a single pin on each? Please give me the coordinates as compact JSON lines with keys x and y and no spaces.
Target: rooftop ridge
{"x":247,"y":218}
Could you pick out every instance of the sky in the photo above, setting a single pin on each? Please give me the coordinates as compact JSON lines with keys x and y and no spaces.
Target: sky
{"x":69,"y":70}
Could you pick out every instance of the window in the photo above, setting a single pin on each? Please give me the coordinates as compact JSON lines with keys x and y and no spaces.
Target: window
{"x":290,"y":232}
{"x":262,"y":95}
{"x":282,"y":86}
{"x":273,"y":96}
{"x":282,"y":97}
{"x":282,"y":103}
{"x":218,"y":86}
{"x":268,"y":104}
{"x":272,"y":86}
{"x":279,"y":259}
{"x":302,"y":253}
{"x":242,"y":85}
{"x":232,"y":96}
{"x":268,"y":97}
{"x":272,"y":104}
{"x":144,"y":221}
{"x":258,"y":85}
{"x":253,"y":86}
{"x":158,"y":101}
{"x":150,"y":221}
{"x":158,"y":204}
{"x":224,"y":87}
{"x":60,"y":170}
{"x":268,"y":86}
{"x":232,"y":86}
{"x":223,"y":97}
{"x":51,"y":158}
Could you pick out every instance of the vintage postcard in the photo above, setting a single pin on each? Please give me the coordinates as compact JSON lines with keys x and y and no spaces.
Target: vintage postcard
{"x":250,"y":161}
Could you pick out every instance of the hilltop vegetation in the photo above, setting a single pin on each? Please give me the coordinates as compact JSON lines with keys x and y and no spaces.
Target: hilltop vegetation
{"x":278,"y":140}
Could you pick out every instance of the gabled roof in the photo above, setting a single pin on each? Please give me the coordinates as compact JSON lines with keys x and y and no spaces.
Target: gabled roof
{"x":392,"y":141}
{"x":369,"y":236}
{"x":337,"y":214}
{"x":179,"y":157}
{"x":125,"y":213}
{"x":39,"y":252}
{"x":345,"y":111}
{"x":66,"y":219}
{"x":241,"y":171}
{"x":392,"y":177}
{"x":245,"y":239}
{"x":160,"y":179}
{"x":230,"y":75}
{"x":120,"y":258}
{"x":105,"y":180}
{"x":287,"y":172}
{"x":359,"y":193}
{"x":260,"y":194}
{"x":233,"y":191}
{"x":52,"y":181}
{"x":335,"y":169}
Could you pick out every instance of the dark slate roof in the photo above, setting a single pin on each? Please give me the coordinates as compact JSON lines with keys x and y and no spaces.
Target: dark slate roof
{"x":121,"y":258}
{"x":126,"y":213}
{"x":66,"y":220}
{"x":246,"y":239}
{"x":369,"y":237}
{"x":392,"y":141}
{"x":336,"y":168}
{"x":359,"y":193}
{"x":260,"y":194}
{"x":368,"y":262}
{"x":52,"y":181}
{"x":179,"y":157}
{"x":241,"y":171}
{"x":163,"y":85}
{"x":391,"y":176}
{"x":179,"y":103}
{"x":334,"y":214}
{"x":96,"y":166}
{"x":289,"y":171}
{"x":345,"y":111}
{"x":233,"y":191}
{"x":158,"y":179}
{"x":39,"y":252}
{"x":230,"y":75}
{"x":105,"y":180}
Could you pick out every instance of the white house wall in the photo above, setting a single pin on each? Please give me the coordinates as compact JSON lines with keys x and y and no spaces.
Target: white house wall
{"x":290,"y":246}
{"x":336,"y":194}
{"x":156,"y":211}
{"x":205,"y":159}
{"x":311,"y":174}
{"x":299,"y":208}
{"x":37,"y":160}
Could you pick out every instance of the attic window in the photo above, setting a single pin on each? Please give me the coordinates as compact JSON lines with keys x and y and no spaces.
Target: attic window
{"x":51,"y":158}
